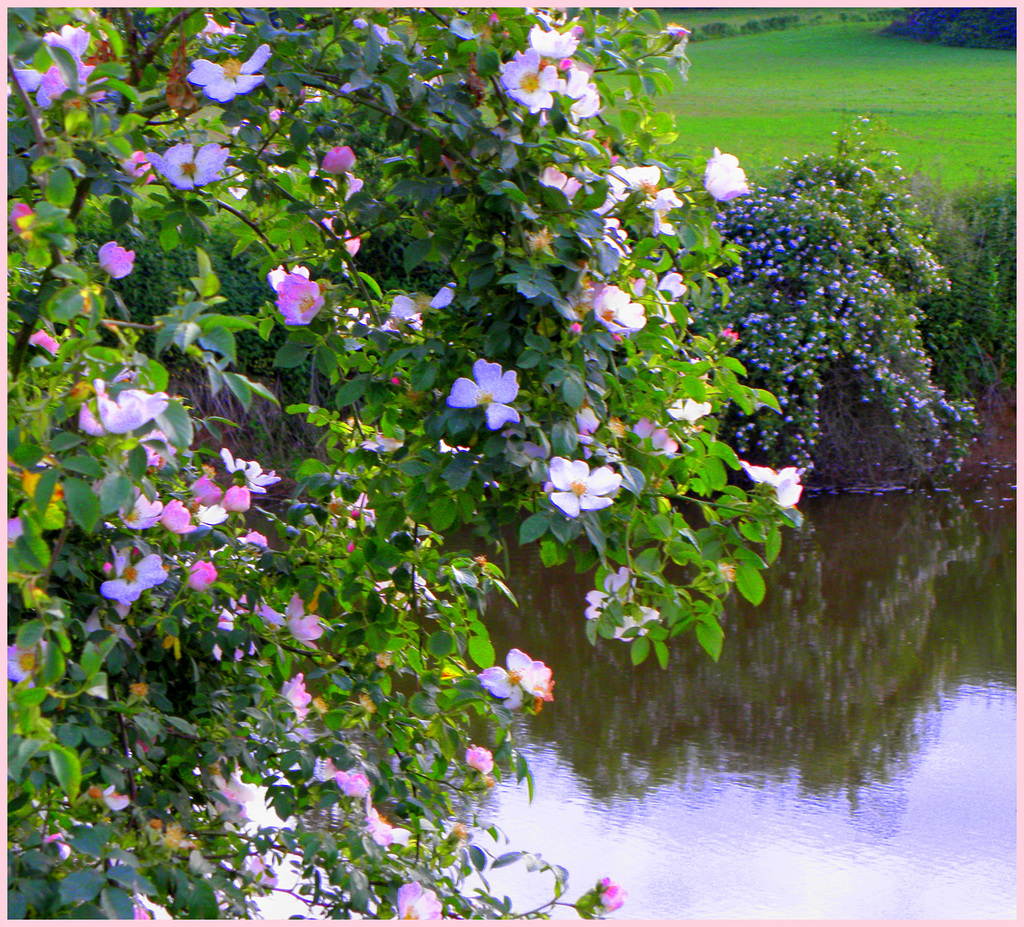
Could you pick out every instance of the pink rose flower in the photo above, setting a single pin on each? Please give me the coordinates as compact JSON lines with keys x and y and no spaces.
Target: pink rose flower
{"x":353,"y":784}
{"x":201,"y":575}
{"x":611,"y":895}
{"x":176,"y":518}
{"x":237,"y":499}
{"x":138,"y":167}
{"x":418,"y":903}
{"x":299,"y":299}
{"x":294,"y":690}
{"x":480,"y":758}
{"x":254,"y":537}
{"x":206,"y":491}
{"x":116,"y":260}
{"x":339,"y":160}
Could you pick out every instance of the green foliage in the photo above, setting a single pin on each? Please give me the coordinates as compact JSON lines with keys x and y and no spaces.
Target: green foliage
{"x":167,"y":664}
{"x":970,"y":331}
{"x":824,"y":306}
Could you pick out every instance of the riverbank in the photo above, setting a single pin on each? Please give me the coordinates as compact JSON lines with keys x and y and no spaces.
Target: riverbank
{"x":996,"y":442}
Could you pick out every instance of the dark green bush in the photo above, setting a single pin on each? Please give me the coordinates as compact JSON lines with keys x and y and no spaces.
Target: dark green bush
{"x":824,"y":304}
{"x":971,"y":330}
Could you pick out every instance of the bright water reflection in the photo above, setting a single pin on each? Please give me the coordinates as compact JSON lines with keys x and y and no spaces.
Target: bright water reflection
{"x":853,"y":754}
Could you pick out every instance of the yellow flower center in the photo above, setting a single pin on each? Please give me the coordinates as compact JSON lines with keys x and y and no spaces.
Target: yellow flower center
{"x":578,"y":487}
{"x":27,"y":661}
{"x":131,"y":574}
{"x":514,"y":678}
{"x":232,"y":68}
{"x":189,"y":169}
{"x":306,"y":303}
{"x":530,"y":83}
{"x":483,"y":398}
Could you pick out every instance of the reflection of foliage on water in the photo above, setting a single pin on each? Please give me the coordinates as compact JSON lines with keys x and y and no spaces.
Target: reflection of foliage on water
{"x":878,"y":605}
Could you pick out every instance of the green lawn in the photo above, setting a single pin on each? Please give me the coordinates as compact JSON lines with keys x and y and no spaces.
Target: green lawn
{"x":949,"y":113}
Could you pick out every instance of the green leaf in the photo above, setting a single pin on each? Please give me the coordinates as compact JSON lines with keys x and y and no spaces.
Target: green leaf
{"x":350,"y":392}
{"x":416,"y":253}
{"x":534,"y":527}
{"x":750,"y":583}
{"x":440,"y":643}
{"x":116,"y":902}
{"x":462,"y":29}
{"x":80,"y":886}
{"x":639,"y":650}
{"x":68,"y":770}
{"x":443,"y":513}
{"x":481,"y":651}
{"x":506,"y":859}
{"x":60,"y":188}
{"x":220,"y":340}
{"x":476,"y":856}
{"x":174,"y":422}
{"x":710,"y":636}
{"x":82,"y":502}
{"x":116,"y":492}
{"x":90,"y":840}
{"x":120,"y":213}
{"x":633,"y":479}
{"x":291,"y":354}
{"x":53,"y":666}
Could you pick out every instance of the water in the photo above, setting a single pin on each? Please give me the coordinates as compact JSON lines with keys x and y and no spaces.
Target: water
{"x":851,"y":756}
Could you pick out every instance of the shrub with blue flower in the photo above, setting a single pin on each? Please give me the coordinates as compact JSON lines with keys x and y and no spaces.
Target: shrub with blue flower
{"x":824,"y":306}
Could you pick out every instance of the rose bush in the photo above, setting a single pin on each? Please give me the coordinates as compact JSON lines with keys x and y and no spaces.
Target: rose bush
{"x":168,"y":663}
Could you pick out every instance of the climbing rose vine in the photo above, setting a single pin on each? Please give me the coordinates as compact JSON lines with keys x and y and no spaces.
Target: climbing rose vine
{"x":193,"y":632}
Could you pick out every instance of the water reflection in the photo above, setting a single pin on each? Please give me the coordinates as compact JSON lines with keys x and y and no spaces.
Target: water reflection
{"x":855,"y":744}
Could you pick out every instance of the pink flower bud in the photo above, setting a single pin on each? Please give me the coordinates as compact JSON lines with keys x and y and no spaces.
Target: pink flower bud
{"x":107,"y":567}
{"x":201,"y":575}
{"x":237,"y":499}
{"x":206,"y":491}
{"x":338,"y":160}
{"x":395,"y":381}
{"x":176,"y":518}
{"x":493,"y":19}
{"x":565,"y":64}
{"x":21,"y":219}
{"x":575,"y":328}
{"x":351,"y":546}
{"x":480,"y":758}
{"x":43,"y":340}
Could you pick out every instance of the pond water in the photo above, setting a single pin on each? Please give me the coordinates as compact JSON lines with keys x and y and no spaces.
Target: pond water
{"x":851,"y":756}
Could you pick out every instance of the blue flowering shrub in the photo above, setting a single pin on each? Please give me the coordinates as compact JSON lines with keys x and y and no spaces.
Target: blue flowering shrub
{"x":823,"y":314}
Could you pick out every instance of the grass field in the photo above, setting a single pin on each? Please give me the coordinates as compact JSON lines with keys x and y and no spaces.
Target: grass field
{"x":949,"y":113}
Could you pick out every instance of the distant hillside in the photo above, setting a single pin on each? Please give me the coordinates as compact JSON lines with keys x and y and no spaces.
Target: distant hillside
{"x":962,"y":27}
